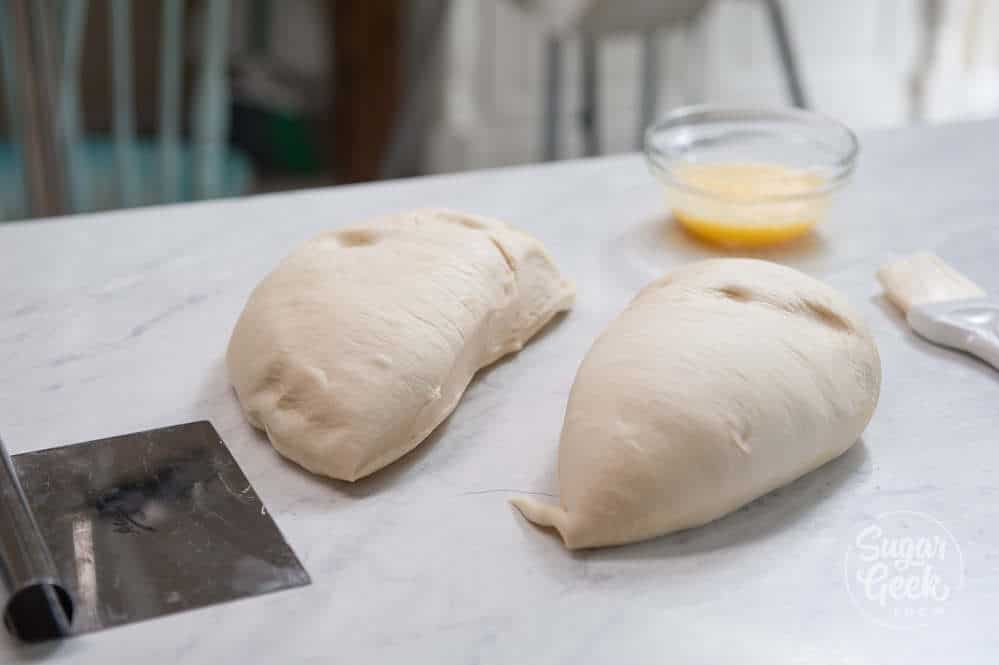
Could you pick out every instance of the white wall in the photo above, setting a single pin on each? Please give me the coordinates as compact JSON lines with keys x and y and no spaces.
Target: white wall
{"x":858,"y":58}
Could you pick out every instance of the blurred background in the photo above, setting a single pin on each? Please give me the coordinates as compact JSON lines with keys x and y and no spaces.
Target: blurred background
{"x":119,"y":103}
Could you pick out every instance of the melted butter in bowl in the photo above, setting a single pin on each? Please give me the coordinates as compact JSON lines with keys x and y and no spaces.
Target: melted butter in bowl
{"x":747,"y":204}
{"x":749,"y":177}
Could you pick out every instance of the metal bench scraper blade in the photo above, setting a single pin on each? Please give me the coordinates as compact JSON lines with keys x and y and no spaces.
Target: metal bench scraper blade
{"x":148,"y":524}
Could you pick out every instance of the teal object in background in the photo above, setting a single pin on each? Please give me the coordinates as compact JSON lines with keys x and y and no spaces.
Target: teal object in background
{"x":123,"y":169}
{"x":97,"y":156}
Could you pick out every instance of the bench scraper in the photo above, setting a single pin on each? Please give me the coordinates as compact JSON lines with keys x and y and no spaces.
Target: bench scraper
{"x":132,"y":527}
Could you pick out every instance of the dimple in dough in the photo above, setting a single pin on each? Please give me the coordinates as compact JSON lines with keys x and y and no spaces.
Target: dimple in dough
{"x":720,"y":382}
{"x":363,"y":340}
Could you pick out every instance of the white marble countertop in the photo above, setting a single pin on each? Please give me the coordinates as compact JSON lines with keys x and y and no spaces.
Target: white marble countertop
{"x":118,"y":322}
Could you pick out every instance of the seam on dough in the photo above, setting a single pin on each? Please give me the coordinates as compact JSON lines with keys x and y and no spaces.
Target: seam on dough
{"x":816,"y":311}
{"x":826,"y":316}
{"x":515,"y":296}
{"x":740,"y":442}
{"x":736,"y":293}
{"x":506,"y":257}
{"x":461,"y":219}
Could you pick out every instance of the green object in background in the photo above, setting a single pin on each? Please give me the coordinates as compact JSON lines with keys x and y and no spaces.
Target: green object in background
{"x":277,"y":139}
{"x":294,"y":148}
{"x":270,"y":117}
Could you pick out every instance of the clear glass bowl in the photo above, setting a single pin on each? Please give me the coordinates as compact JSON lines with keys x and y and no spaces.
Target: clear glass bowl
{"x":749,"y":176}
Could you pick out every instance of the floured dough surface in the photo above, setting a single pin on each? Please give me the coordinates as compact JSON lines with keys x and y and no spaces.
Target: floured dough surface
{"x":720,"y":382}
{"x":363,"y":340}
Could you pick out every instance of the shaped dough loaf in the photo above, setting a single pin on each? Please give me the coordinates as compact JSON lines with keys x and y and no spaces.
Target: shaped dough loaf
{"x":363,"y":340}
{"x":719,"y":383}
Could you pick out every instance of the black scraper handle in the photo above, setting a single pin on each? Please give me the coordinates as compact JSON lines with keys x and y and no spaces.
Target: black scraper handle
{"x":35,"y":603}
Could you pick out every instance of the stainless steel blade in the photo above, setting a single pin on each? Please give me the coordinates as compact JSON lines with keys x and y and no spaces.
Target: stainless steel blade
{"x":153,"y":523}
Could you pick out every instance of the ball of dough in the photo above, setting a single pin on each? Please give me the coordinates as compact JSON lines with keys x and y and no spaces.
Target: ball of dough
{"x":720,"y":382}
{"x":363,"y":340}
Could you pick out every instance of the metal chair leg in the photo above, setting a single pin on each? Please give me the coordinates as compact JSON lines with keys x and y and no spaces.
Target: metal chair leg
{"x":786,"y":52}
{"x":211,"y":120}
{"x":552,"y":108}
{"x":44,"y":178}
{"x":123,"y":102}
{"x":650,"y":85}
{"x":74,"y":24}
{"x":171,"y":77}
{"x":417,"y":108}
{"x":13,"y":207}
{"x":930,"y":14}
{"x":589,"y":118}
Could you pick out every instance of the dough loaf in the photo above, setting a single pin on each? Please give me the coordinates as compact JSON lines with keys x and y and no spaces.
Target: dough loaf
{"x":363,"y":340}
{"x":719,"y":383}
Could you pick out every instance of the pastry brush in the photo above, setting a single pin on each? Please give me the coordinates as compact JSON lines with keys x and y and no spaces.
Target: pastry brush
{"x":942,"y":305}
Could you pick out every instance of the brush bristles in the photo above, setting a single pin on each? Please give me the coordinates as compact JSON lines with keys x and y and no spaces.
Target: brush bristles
{"x":925,"y":278}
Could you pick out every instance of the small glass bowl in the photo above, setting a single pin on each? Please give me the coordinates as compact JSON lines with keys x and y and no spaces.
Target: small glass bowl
{"x":749,"y":176}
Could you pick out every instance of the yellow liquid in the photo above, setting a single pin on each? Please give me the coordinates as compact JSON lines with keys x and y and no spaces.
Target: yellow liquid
{"x":734,"y":210}
{"x":746,"y":236}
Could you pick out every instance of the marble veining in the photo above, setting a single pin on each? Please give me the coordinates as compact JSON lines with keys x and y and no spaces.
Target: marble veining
{"x":118,"y":322}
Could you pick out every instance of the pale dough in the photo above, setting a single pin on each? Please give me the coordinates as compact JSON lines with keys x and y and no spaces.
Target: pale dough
{"x":363,"y":340}
{"x":719,"y":383}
